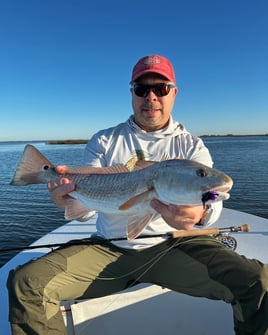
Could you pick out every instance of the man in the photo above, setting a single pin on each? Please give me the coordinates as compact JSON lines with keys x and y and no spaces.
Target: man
{"x":199,"y":267}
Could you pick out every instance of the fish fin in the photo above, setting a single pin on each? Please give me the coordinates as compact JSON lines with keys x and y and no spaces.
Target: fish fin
{"x":30,"y":167}
{"x":118,"y":168}
{"x":130,"y":164}
{"x":140,"y":165}
{"x":136,"y":224}
{"x":75,"y":209}
{"x":142,"y":197}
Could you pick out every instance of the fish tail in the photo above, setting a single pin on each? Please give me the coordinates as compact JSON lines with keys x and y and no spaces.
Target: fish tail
{"x":33,"y":168}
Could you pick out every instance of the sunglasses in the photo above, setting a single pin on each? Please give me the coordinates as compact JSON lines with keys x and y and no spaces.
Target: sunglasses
{"x":160,"y":90}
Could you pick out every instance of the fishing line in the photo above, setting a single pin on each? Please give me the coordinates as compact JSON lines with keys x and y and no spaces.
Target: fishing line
{"x":153,"y":261}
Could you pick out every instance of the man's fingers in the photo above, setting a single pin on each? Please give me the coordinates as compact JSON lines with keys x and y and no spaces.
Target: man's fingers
{"x":165,"y":210}
{"x":56,"y":183}
{"x":61,"y":169}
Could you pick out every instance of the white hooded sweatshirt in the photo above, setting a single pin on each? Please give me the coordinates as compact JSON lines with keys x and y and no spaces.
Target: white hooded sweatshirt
{"x":126,"y":141}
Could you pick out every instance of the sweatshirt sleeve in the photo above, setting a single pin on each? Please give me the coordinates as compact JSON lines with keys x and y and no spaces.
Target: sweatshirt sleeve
{"x":213,"y":213}
{"x":94,"y":154}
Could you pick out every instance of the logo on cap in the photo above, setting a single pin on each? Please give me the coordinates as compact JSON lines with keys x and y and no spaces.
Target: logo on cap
{"x":152,"y":60}
{"x":153,"y":63}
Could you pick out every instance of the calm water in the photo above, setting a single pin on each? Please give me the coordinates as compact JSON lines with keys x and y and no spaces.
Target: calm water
{"x":26,"y":213}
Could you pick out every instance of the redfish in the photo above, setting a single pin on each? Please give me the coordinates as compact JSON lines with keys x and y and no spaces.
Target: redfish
{"x":116,"y":189}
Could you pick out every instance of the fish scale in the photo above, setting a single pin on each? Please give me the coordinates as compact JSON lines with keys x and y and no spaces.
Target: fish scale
{"x":103,"y":187}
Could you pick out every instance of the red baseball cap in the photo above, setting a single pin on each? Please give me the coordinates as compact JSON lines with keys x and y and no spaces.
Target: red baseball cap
{"x":155,"y":64}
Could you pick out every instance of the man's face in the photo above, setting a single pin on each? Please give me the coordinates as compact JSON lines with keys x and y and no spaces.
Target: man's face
{"x":152,"y":112}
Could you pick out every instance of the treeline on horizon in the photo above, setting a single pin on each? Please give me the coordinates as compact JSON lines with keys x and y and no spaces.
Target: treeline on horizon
{"x":81,"y":141}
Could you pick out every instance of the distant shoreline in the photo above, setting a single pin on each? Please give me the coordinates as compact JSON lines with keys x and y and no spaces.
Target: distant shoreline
{"x":67,"y":142}
{"x":232,"y":135}
{"x":86,"y":141}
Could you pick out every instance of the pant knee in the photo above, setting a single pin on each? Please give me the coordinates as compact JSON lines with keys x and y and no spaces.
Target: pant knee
{"x":252,"y":304}
{"x":22,"y":283}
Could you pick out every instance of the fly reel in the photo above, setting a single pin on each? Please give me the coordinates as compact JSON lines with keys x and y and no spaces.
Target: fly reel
{"x":227,"y":240}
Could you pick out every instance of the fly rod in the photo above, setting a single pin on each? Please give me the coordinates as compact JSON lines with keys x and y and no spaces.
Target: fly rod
{"x":173,"y":234}
{"x":209,"y":231}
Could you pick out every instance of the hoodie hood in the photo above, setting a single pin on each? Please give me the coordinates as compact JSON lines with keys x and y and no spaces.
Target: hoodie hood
{"x":173,"y":129}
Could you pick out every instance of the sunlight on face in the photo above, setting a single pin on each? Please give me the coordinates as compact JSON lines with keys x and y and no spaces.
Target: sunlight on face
{"x":152,"y":113}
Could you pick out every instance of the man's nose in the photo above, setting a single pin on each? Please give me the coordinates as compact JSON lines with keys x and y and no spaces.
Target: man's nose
{"x":151,"y":96}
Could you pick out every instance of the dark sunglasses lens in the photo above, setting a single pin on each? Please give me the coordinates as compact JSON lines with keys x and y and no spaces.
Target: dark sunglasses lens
{"x":141,"y":90}
{"x":159,"y":90}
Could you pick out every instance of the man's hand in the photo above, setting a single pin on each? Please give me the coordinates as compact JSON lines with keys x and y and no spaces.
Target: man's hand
{"x":179,"y":217}
{"x":59,"y":191}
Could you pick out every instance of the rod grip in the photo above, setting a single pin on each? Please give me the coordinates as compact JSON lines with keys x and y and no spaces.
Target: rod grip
{"x":244,"y":227}
{"x":209,"y":231}
{"x":197,"y":232}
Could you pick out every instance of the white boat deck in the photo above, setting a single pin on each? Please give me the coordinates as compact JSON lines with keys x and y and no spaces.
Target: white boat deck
{"x":145,"y":309}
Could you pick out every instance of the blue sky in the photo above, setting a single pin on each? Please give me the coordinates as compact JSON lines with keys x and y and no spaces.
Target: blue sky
{"x":65,"y":65}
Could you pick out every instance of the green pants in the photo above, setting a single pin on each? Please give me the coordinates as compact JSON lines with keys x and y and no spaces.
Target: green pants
{"x":199,"y":266}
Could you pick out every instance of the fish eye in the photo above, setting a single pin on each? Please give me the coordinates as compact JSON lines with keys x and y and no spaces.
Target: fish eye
{"x":45,"y":167}
{"x":201,"y":173}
